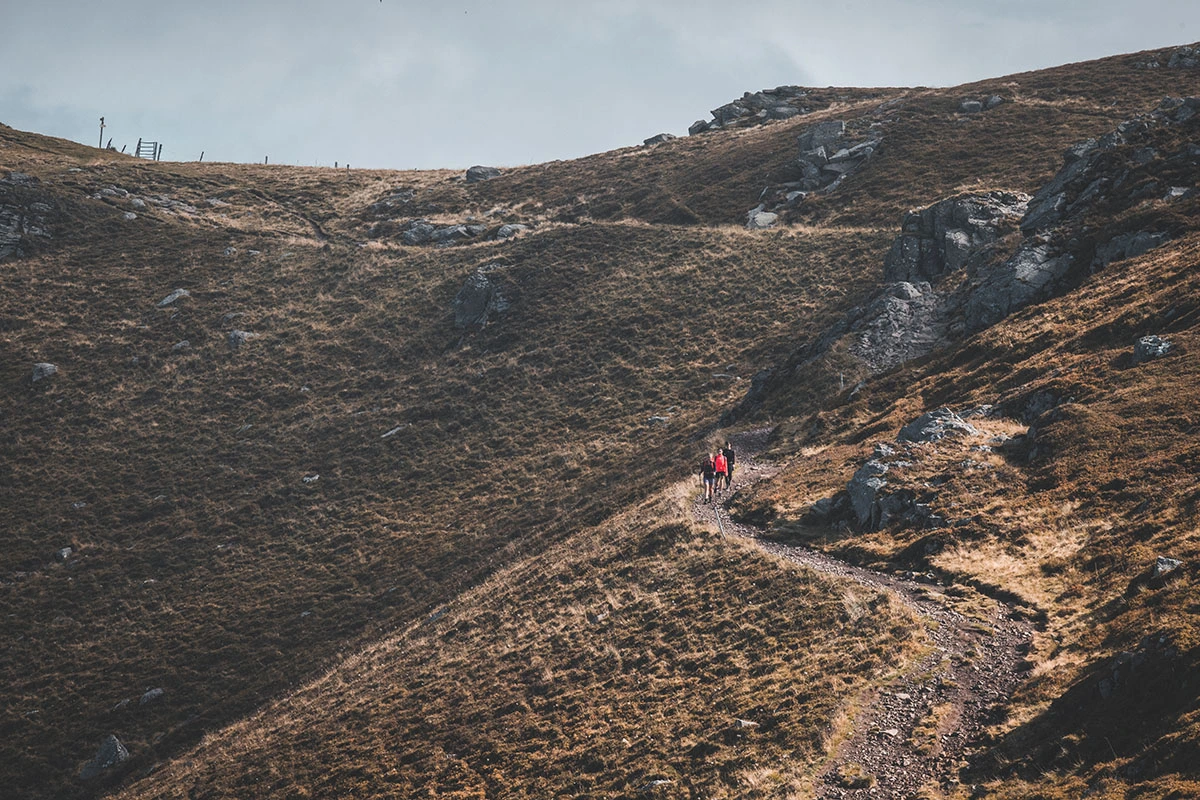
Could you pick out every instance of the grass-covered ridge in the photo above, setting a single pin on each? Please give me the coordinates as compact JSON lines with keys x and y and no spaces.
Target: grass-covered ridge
{"x":521,"y":500}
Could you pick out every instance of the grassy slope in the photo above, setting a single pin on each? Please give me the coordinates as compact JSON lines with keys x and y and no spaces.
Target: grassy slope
{"x":515,"y":434}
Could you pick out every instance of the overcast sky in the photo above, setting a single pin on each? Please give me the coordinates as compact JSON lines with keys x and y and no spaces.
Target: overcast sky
{"x":409,"y":83}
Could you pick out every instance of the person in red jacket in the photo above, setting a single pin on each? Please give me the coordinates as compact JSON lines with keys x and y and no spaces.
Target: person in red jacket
{"x":721,"y":468}
{"x":708,"y":476}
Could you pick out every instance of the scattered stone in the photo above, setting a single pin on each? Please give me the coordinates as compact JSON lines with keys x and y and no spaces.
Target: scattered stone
{"x":823,"y":134}
{"x":129,"y":216}
{"x":417,"y":232}
{"x":659,"y":138}
{"x":19,"y":179}
{"x":239,"y":338}
{"x":179,"y":347}
{"x":311,"y":478}
{"x":1150,"y":347}
{"x":150,"y":696}
{"x":137,"y":202}
{"x":43,"y":370}
{"x":230,"y":251}
{"x":111,"y":753}
{"x":173,"y":296}
{"x":393,"y":432}
{"x":479,"y":173}
{"x":64,"y":554}
{"x":743,"y":724}
{"x":1165,"y":566}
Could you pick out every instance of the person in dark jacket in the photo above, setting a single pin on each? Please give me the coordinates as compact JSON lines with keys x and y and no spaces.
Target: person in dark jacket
{"x":708,"y":476}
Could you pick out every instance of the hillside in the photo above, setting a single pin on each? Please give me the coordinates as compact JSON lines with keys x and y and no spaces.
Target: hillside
{"x":387,"y":501}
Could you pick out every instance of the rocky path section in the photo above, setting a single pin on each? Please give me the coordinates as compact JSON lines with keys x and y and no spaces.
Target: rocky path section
{"x":914,"y":731}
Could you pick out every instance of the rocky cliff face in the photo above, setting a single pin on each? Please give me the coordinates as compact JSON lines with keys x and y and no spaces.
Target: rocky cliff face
{"x":964,"y":263}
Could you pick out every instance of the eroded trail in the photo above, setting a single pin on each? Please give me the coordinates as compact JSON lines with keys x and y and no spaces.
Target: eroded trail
{"x":915,"y":730}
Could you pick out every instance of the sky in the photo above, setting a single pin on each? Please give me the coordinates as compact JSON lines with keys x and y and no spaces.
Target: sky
{"x":406,"y":84}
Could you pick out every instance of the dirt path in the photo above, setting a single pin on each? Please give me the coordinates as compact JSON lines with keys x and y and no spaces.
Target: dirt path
{"x":914,"y":731}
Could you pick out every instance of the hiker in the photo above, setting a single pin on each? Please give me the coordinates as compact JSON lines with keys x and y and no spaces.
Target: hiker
{"x":721,"y":467}
{"x":730,"y":460}
{"x":708,"y":476}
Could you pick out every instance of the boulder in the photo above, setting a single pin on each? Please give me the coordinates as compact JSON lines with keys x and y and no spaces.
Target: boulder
{"x":239,"y":338}
{"x":699,"y":126}
{"x":1185,"y":58}
{"x":903,"y":322}
{"x":43,"y":369}
{"x":111,"y":753}
{"x":478,"y":173}
{"x":936,"y":425}
{"x":417,"y":232}
{"x":659,"y":138}
{"x":822,"y":134}
{"x":992,"y":102}
{"x":1150,"y":347}
{"x":1164,"y":566}
{"x":173,"y":296}
{"x":783,"y":112}
{"x":864,"y":488}
{"x":1127,"y":245}
{"x":479,"y":300}
{"x":151,"y":696}
{"x":970,"y":107}
{"x":758,"y":219}
{"x":510,"y":230}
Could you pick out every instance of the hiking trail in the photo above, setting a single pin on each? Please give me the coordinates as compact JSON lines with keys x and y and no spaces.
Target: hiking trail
{"x":914,"y":730}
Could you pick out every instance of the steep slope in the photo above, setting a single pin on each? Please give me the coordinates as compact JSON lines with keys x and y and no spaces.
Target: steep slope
{"x":240,"y":518}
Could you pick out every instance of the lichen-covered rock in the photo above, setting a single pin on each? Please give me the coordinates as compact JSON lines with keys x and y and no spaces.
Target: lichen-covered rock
{"x":42,"y":370}
{"x":479,"y":300}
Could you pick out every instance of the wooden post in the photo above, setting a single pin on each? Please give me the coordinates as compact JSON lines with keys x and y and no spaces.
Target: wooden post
{"x":201,"y":155}
{"x":158,"y":155}
{"x":266,"y":159}
{"x":101,"y":133}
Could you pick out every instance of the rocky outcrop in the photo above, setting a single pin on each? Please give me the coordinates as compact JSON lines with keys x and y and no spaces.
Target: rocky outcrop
{"x":940,"y":238}
{"x":782,"y":102}
{"x":826,"y":159}
{"x":23,"y":215}
{"x":933,"y":426}
{"x":659,"y":138}
{"x":1148,"y":348}
{"x":965,"y":263}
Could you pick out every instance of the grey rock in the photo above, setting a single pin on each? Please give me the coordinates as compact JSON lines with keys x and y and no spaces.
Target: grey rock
{"x":111,"y":753}
{"x":823,"y":134}
{"x":903,"y":322}
{"x":19,"y":179}
{"x":179,"y":347}
{"x":992,"y":102}
{"x":64,"y":554}
{"x":150,"y":696}
{"x":864,"y":488}
{"x":511,"y":230}
{"x":758,"y":219}
{"x":42,"y":370}
{"x":1185,"y":58}
{"x":1045,"y":213}
{"x":730,"y":112}
{"x":173,"y":296}
{"x":1127,"y":245}
{"x":783,"y":112}
{"x":940,"y":238}
{"x":418,"y":232}
{"x":1165,"y":566}
{"x":239,"y":338}
{"x":450,"y":234}
{"x":659,"y":138}
{"x":480,"y":299}
{"x":936,"y":425}
{"x":138,"y":203}
{"x":699,"y":126}
{"x":1150,"y":347}
{"x":479,"y":173}
{"x":970,"y":107}
{"x":1032,"y":274}
{"x":129,"y":216}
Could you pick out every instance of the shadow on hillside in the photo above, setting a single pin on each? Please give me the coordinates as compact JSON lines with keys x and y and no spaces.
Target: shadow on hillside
{"x":1131,"y":711}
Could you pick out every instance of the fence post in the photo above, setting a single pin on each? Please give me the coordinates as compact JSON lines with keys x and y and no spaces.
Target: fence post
{"x":101,"y":144}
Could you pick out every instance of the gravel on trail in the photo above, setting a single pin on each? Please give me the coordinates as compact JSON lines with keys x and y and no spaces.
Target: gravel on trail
{"x":916,"y":730}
